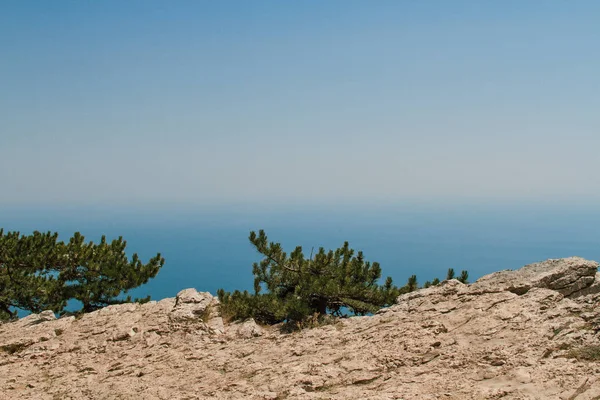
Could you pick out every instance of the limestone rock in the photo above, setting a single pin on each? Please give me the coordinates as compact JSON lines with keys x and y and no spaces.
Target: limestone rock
{"x":525,"y":334}
{"x":191,"y":304}
{"x":216,"y":325}
{"x":567,"y":276}
{"x":246,"y":330}
{"x":443,"y":290}
{"x":593,"y":289}
{"x":33,"y":319}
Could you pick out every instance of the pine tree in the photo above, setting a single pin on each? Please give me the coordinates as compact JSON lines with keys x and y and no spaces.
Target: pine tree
{"x":450,"y":274}
{"x":464,"y":277}
{"x":412,"y":283}
{"x":96,"y":274}
{"x":38,"y":272}
{"x":296,"y":287}
{"x":27,"y":273}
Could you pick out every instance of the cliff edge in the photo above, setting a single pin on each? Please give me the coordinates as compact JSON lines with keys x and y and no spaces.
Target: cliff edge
{"x":532,"y":333}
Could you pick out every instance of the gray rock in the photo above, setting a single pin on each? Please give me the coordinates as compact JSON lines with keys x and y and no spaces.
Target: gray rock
{"x":566,"y":276}
{"x":247,"y":329}
{"x":594,"y":288}
{"x":33,"y":319}
{"x":444,"y":289}
{"x":216,"y":325}
{"x":446,"y":342}
{"x":191,"y":296}
{"x":47,"y":315}
{"x":191,"y":304}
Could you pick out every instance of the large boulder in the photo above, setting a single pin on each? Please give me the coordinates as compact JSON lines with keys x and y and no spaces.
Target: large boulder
{"x":33,"y":319}
{"x":191,"y":304}
{"x":593,"y":289}
{"x":246,"y":329}
{"x":567,"y":276}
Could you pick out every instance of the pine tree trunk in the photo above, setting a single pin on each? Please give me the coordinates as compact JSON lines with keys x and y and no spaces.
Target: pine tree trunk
{"x":322,"y":306}
{"x":4,"y":307}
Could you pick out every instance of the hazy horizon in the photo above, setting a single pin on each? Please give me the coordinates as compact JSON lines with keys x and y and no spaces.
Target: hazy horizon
{"x":211,"y":250}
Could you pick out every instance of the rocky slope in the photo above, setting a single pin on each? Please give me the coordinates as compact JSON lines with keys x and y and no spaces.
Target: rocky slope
{"x":532,"y":333}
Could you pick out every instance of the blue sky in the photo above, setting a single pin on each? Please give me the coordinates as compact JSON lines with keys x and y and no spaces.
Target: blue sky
{"x":193,"y":102}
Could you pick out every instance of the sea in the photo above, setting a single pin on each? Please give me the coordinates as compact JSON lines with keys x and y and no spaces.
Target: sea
{"x":207,"y":247}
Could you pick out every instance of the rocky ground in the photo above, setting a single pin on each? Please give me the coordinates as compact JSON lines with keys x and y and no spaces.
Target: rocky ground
{"x":532,"y":333}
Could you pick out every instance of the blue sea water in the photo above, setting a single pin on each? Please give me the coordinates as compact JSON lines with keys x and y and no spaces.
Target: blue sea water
{"x":208,"y":248}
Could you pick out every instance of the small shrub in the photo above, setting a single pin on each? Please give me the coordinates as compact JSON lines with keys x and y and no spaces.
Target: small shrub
{"x":586,"y":353}
{"x":13,"y":348}
{"x":292,"y":288}
{"x":205,"y":314}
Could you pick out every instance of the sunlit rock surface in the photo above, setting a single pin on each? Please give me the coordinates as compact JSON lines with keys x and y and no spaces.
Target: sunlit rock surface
{"x":523,"y":334}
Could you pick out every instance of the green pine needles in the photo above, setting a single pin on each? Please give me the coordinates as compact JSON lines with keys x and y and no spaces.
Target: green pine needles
{"x":463,"y":278}
{"x":38,"y":272}
{"x":294,"y":287}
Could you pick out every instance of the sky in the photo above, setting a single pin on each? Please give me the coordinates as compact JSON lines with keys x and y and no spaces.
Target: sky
{"x":196,"y":102}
